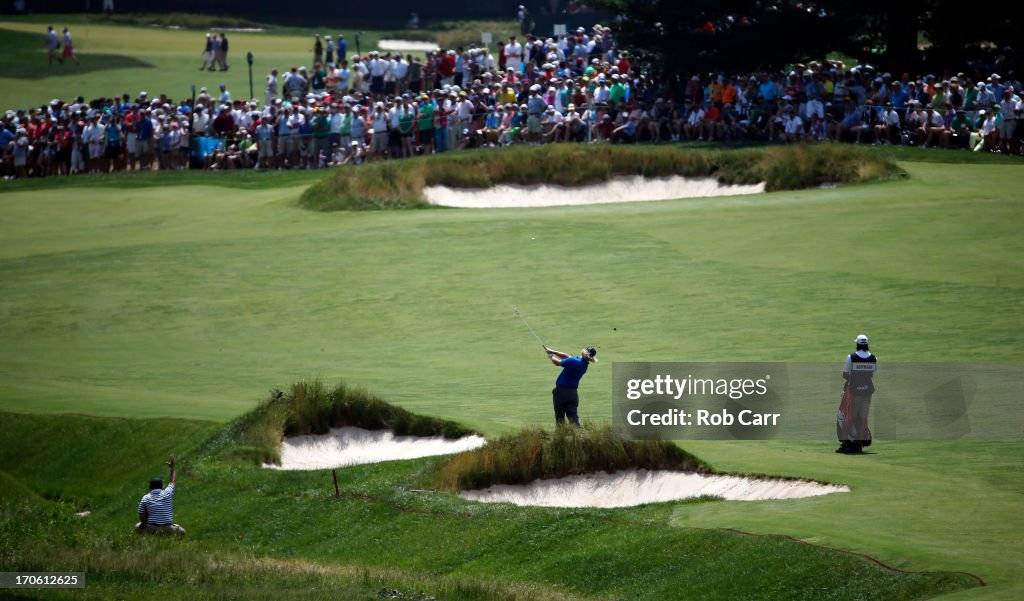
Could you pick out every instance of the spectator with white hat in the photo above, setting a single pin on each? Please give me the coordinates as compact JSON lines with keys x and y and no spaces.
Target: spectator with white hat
{"x":1009,"y":111}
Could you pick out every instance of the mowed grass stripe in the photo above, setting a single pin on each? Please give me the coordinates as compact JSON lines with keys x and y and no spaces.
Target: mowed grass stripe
{"x":198,"y":319}
{"x":217,"y":296}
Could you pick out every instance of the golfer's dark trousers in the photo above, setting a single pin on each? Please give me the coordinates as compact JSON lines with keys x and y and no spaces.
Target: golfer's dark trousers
{"x":567,"y":401}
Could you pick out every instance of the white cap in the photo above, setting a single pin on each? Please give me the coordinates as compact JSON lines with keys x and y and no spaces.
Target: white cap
{"x":862,"y":339}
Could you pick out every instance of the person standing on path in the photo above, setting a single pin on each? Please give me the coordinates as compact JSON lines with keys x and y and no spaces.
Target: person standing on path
{"x":565,"y":394}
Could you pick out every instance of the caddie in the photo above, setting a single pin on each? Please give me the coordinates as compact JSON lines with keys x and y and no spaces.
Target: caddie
{"x":852,"y":421}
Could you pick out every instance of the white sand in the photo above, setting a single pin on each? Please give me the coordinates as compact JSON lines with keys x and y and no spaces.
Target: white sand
{"x":636,"y":487}
{"x":352,"y":446}
{"x":408,"y":45}
{"x":234,"y":29}
{"x":619,"y":189}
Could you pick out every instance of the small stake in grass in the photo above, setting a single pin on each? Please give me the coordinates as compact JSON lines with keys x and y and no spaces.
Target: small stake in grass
{"x":336,"y":492}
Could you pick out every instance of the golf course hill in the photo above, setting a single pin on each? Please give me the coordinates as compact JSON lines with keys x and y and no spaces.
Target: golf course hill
{"x":528,"y":175}
{"x":392,"y":529}
{"x":312,"y":426}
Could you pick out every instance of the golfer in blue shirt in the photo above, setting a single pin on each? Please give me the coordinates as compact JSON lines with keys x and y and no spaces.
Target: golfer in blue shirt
{"x":566,"y":392}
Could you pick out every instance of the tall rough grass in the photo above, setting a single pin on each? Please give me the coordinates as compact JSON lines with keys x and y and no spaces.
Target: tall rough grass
{"x":37,"y":535}
{"x":399,"y":184}
{"x":311,"y":407}
{"x":536,"y":452}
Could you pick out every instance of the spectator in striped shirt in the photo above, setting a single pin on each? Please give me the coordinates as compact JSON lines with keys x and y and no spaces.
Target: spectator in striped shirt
{"x":156,"y":512}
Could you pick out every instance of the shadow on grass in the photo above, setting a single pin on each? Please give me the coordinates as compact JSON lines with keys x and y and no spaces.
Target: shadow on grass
{"x":245,"y":179}
{"x":22,"y":56}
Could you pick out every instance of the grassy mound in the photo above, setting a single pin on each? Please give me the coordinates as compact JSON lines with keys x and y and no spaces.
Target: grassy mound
{"x":263,"y":535}
{"x":399,"y":184}
{"x":310,"y":407}
{"x":121,"y":565}
{"x":537,"y":452}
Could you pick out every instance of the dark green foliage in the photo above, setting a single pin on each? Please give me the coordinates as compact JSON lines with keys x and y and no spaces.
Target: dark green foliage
{"x":399,"y":184}
{"x":536,"y":452}
{"x":674,"y":37}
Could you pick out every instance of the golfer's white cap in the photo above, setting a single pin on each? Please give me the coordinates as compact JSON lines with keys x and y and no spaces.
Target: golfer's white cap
{"x":862,"y":339}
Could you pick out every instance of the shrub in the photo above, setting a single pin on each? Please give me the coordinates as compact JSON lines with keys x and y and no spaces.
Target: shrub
{"x":310,"y":407}
{"x":536,"y":452}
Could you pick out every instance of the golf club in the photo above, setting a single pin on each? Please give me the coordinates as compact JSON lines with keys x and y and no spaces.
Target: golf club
{"x":527,"y":324}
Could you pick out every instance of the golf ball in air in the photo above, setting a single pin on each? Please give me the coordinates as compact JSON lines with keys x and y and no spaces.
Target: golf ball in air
{"x":533,"y":237}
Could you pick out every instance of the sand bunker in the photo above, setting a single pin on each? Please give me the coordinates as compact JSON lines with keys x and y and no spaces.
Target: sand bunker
{"x":352,"y":446}
{"x":620,"y":189}
{"x":408,"y":45}
{"x":636,"y":487}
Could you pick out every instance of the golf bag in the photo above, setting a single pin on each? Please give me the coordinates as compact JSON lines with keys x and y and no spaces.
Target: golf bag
{"x":846,"y":427}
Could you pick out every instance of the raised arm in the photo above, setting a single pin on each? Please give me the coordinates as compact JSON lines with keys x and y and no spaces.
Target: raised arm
{"x":174,"y":473}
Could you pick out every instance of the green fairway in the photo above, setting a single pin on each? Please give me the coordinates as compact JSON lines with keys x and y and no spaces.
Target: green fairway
{"x":130,"y":298}
{"x":208,"y":297}
{"x":21,"y":61}
{"x":173,"y":57}
{"x":119,"y":58}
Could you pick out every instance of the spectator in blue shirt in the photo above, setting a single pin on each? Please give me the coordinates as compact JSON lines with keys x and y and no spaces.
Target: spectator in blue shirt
{"x":566,"y":392}
{"x":768,"y":89}
{"x":6,"y":136}
{"x":156,"y":511}
{"x":899,"y":96}
{"x":144,"y":133}
{"x":852,"y":117}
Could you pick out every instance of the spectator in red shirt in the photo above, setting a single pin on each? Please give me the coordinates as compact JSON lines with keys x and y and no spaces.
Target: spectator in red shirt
{"x":623,"y":65}
{"x":446,"y":67}
{"x":605,"y":128}
{"x":224,"y":124}
{"x":712,"y":122}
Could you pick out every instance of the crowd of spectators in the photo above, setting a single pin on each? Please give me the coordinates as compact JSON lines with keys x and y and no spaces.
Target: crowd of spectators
{"x":575,"y":88}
